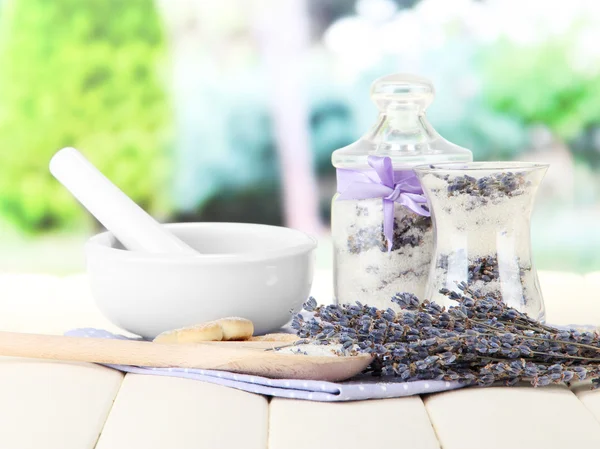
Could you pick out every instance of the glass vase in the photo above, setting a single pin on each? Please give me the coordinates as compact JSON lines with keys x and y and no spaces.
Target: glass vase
{"x":481,"y":216}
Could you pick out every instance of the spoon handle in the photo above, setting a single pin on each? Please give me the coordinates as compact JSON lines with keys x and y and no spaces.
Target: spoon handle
{"x":239,"y":357}
{"x":132,"y":226}
{"x":120,"y":352}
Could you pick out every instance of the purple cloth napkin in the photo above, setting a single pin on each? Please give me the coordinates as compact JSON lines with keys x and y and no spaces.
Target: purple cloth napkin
{"x":359,"y":388}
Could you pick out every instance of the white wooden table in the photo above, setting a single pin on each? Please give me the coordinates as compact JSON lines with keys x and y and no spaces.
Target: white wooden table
{"x":80,"y":406}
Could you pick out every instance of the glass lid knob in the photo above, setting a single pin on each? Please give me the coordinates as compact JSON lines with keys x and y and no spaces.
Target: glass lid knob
{"x":402,"y":90}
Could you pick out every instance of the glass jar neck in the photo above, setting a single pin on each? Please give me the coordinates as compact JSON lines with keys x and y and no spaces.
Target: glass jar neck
{"x":401,"y":128}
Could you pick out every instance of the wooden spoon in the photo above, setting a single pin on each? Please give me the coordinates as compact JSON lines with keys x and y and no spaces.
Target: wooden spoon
{"x":246,"y":357}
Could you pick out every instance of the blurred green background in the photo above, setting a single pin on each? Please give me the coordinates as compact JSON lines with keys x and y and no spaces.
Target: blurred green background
{"x":229,"y":110}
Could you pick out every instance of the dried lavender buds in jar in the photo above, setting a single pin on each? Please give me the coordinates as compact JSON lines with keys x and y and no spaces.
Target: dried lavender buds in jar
{"x":365,"y":270}
{"x":481,"y":213}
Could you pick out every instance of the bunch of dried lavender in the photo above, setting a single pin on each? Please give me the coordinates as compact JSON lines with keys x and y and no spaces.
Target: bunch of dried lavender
{"x":479,"y":341}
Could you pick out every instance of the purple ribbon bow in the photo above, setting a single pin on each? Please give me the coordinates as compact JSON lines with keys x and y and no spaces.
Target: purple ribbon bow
{"x":401,"y":187}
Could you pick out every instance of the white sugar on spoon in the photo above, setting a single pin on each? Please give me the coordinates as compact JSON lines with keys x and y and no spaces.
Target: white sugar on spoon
{"x":132,"y":226}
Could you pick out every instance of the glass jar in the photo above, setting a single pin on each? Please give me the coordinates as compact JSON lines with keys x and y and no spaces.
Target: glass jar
{"x":382,"y":233}
{"x":481,"y":214}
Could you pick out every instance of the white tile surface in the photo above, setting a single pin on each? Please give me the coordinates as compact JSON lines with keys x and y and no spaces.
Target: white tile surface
{"x":154,"y":412}
{"x":403,"y":422}
{"x":54,"y":405}
{"x":515,"y":418}
{"x":588,"y":397}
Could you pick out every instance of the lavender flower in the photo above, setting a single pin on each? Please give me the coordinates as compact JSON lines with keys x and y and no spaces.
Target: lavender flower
{"x":479,"y":341}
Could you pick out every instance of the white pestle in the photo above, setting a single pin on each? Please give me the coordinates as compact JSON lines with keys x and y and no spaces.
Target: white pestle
{"x":130,"y":224}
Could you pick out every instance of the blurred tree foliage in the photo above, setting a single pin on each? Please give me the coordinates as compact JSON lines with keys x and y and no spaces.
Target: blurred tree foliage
{"x":469,"y":122}
{"x":459,"y":112}
{"x":84,"y":74}
{"x":544,"y":83}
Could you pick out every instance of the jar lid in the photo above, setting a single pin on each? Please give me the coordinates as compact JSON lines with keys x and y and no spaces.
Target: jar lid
{"x":402,"y":131}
